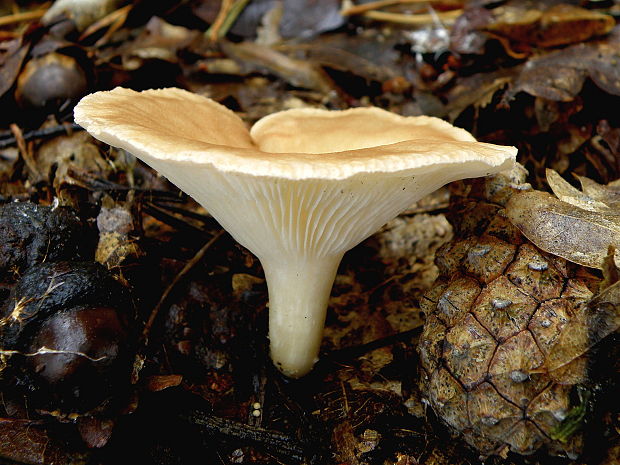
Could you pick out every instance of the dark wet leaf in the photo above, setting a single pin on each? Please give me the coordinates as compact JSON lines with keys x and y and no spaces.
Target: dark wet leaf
{"x":95,"y":431}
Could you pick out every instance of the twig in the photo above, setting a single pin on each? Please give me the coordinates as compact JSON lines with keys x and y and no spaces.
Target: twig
{"x":8,"y":139}
{"x":207,"y":219}
{"x":25,"y":152}
{"x":349,"y":353}
{"x":226,"y":17}
{"x":158,"y":212}
{"x":115,"y":20}
{"x":21,"y":17}
{"x":417,"y":19}
{"x":86,"y":180}
{"x":269,"y":440}
{"x":177,"y":279}
{"x":363,"y":8}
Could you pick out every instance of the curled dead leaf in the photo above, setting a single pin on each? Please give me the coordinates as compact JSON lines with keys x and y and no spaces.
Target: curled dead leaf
{"x":569,"y":194}
{"x":609,"y":194}
{"x":566,"y":230}
{"x":552,"y":27}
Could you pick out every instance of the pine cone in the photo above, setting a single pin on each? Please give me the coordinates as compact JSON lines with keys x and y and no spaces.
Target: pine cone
{"x":496,"y":312}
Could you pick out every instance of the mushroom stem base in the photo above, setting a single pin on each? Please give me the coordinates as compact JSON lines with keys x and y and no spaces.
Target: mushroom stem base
{"x":298,"y":295}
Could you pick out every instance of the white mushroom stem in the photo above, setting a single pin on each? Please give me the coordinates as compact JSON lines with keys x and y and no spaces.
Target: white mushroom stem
{"x":300,"y":231}
{"x":298,"y":295}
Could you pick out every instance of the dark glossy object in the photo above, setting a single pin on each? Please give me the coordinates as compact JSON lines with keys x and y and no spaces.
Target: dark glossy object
{"x":73,"y":319}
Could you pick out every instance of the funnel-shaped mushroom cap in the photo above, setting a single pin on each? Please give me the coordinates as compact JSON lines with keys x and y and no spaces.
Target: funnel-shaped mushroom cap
{"x":298,"y":190}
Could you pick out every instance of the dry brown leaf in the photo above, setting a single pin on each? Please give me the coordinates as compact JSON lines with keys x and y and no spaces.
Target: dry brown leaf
{"x":477,"y":90}
{"x":608,"y":195}
{"x":299,"y":73}
{"x":158,"y":41}
{"x":11,"y":65}
{"x":557,"y":227}
{"x":569,"y":194}
{"x":559,"y":25}
{"x":522,"y":26}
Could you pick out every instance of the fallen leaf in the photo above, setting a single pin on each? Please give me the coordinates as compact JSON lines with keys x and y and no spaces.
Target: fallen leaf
{"x":299,"y":73}
{"x":466,"y":35}
{"x":159,"y":40}
{"x":373,"y":58}
{"x":560,"y":75}
{"x":557,"y":227}
{"x":95,"y":431}
{"x":477,"y":90}
{"x":561,"y":24}
{"x":160,"y":382}
{"x":318,"y":16}
{"x":569,"y":194}
{"x":607,"y":195}
{"x":12,"y":64}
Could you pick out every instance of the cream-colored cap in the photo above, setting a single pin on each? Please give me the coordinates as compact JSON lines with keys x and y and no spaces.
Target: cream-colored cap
{"x":179,"y":126}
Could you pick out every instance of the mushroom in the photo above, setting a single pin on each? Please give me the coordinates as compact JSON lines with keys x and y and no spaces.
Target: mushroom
{"x":299,"y":189}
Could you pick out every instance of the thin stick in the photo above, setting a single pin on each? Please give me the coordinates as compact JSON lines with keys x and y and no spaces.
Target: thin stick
{"x":349,"y":353}
{"x":418,"y":19}
{"x":226,"y":17}
{"x":213,"y":31}
{"x":363,"y":8}
{"x":270,"y":440}
{"x":25,"y":151}
{"x":8,"y":139}
{"x":186,"y":269}
{"x":114,"y":19}
{"x":21,"y":17}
